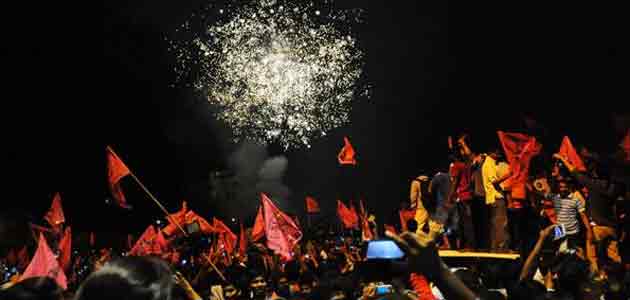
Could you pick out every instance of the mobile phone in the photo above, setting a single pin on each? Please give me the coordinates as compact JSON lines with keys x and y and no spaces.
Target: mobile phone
{"x":384,"y":289}
{"x":384,"y":249}
{"x":559,"y":232}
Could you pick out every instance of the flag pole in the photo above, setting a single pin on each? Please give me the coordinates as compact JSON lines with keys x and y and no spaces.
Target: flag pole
{"x":214,"y":267}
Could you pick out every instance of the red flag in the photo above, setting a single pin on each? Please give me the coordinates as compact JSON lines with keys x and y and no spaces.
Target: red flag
{"x":346,"y":155}
{"x":227,"y":239}
{"x":12,"y":258}
{"x":55,"y":216}
{"x":390,"y":228}
{"x":519,"y":150}
{"x":421,"y":286}
{"x":567,"y":150}
{"x":160,"y":245}
{"x":312,"y":207}
{"x":259,"y":226}
{"x":204,"y":226}
{"x":282,"y":233}
{"x":23,"y":257}
{"x":44,"y":264}
{"x":65,"y":249}
{"x":144,"y":245}
{"x":242,"y":242}
{"x":348,"y":218}
{"x":92,"y":239}
{"x":406,"y":215}
{"x":176,"y":218}
{"x":116,"y":170}
{"x":625,"y":145}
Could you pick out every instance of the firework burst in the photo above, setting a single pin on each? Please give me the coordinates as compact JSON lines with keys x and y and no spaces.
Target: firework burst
{"x":285,"y":72}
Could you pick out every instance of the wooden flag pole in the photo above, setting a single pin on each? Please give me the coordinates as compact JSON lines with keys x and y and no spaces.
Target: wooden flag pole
{"x":155,"y":200}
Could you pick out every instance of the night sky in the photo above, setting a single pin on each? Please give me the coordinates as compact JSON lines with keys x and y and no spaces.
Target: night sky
{"x":438,"y":68}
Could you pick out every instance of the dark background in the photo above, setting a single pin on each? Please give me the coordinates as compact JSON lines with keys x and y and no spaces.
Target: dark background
{"x":438,"y":68}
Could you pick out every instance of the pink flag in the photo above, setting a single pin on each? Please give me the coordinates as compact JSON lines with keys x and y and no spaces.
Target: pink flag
{"x":55,"y":215}
{"x":65,"y":249}
{"x":281,"y":231}
{"x":44,"y":264}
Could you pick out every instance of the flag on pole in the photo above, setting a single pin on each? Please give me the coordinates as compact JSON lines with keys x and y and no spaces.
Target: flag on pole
{"x":144,"y":245}
{"x":65,"y":249}
{"x":242,"y":242}
{"x":116,"y":170}
{"x":312,"y":207}
{"x":259,"y":226}
{"x":347,"y":217}
{"x":281,"y":231}
{"x":347,"y":153}
{"x":55,"y":215}
{"x":519,"y":150}
{"x":44,"y":264}
{"x":176,"y":218}
{"x":227,"y":239}
{"x":567,"y":150}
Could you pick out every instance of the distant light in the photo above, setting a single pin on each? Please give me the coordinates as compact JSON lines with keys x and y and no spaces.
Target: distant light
{"x":184,"y":262}
{"x":107,"y":201}
{"x":234,"y":220}
{"x":158,"y":222}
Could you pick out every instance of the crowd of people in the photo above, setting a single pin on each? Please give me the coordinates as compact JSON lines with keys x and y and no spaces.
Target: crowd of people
{"x":565,"y":214}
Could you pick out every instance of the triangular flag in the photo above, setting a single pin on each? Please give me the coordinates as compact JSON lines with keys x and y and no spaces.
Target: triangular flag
{"x":406,"y":215}
{"x":116,"y":170}
{"x":65,"y":249}
{"x":176,"y":218}
{"x":312,"y":207}
{"x":519,"y":150}
{"x":346,"y":155}
{"x":144,"y":245}
{"x":204,"y":226}
{"x":567,"y":150}
{"x":160,"y":245}
{"x":259,"y":226}
{"x":625,"y":145}
{"x":242,"y":242}
{"x":55,"y":216}
{"x":44,"y":264}
{"x":227,"y":239}
{"x":347,"y":217}
{"x":281,"y":231}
